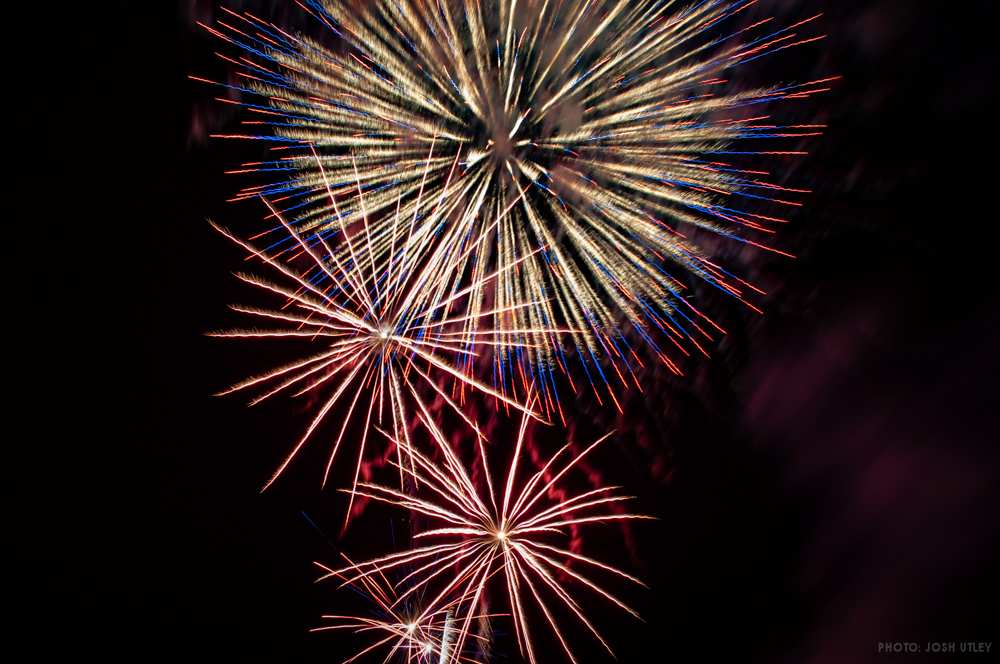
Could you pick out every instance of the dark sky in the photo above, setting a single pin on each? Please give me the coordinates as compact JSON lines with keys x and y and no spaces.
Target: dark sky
{"x":827,"y":481}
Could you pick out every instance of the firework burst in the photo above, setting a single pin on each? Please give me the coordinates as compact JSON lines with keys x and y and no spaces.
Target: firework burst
{"x":411,"y":634}
{"x":386,"y":332}
{"x":505,"y":533}
{"x":602,"y":131}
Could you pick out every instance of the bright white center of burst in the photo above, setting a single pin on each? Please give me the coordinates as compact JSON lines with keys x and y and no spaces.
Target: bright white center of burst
{"x":427,"y":648}
{"x":501,"y":536}
{"x":384,"y":333}
{"x":410,"y":627}
{"x":500,"y":145}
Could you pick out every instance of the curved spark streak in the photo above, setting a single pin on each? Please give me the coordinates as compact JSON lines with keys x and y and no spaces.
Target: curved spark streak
{"x":601,"y":132}
{"x":484,"y":541}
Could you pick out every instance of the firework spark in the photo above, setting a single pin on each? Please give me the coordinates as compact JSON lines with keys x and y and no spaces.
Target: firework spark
{"x":385,"y":329}
{"x":417,"y":636}
{"x":602,"y":131}
{"x":503,"y":534}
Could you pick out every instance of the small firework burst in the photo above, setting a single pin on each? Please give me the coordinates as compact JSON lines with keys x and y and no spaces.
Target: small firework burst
{"x":383,"y":330}
{"x":403,"y":629}
{"x":505,"y":531}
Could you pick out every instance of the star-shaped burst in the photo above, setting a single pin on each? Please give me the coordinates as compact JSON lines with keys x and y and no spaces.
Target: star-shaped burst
{"x":508,"y":531}
{"x":385,"y":330}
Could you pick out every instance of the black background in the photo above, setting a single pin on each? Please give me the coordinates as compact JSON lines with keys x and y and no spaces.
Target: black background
{"x":826,"y":482}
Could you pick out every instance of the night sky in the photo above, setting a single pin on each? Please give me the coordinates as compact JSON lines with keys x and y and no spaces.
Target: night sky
{"x":827,"y":481}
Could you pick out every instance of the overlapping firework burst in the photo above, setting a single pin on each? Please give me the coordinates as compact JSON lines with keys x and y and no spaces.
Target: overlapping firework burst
{"x":381,"y":331}
{"x":467,"y":188}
